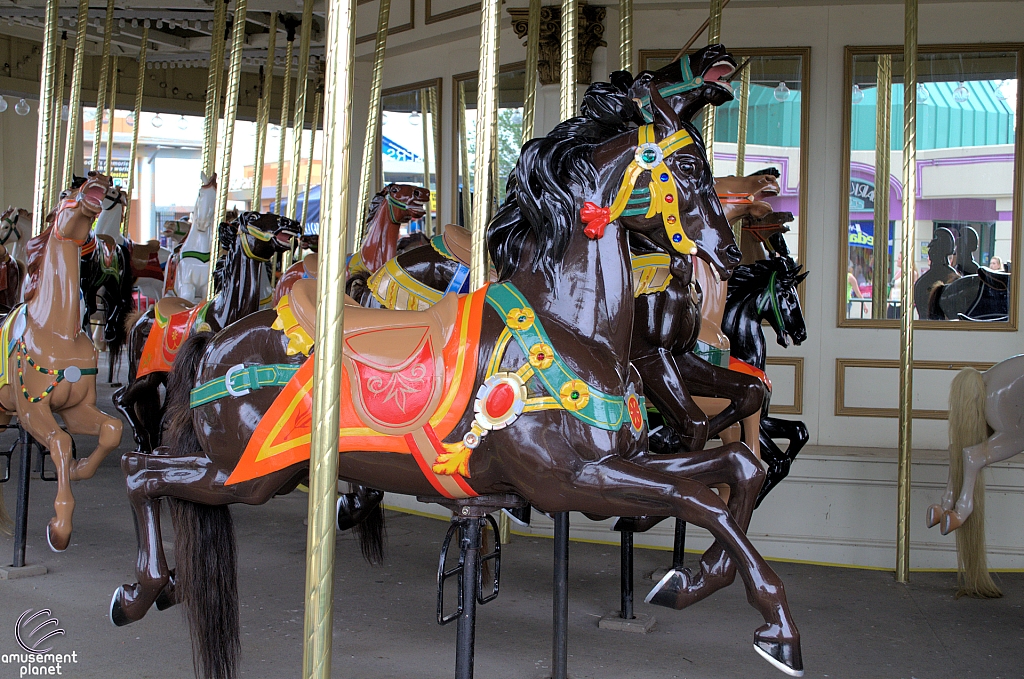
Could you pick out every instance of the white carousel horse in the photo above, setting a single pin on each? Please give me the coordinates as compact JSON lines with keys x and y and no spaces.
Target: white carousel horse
{"x":194,"y":268}
{"x":15,"y":230}
{"x":108,"y":224}
{"x":978,"y":403}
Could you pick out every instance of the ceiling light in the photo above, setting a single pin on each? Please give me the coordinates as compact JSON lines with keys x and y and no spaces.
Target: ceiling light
{"x":782,"y":92}
{"x":857,"y":96}
{"x":22,"y":108}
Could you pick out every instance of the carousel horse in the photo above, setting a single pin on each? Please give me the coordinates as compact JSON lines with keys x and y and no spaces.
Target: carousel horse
{"x":545,"y":354}
{"x":306,"y":267}
{"x":767,"y":291}
{"x":156,"y":334}
{"x":107,"y":274}
{"x":984,"y":296}
{"x":49,"y":364}
{"x":986,"y":425}
{"x":174,"y":232}
{"x":12,"y":269}
{"x":150,"y":260}
{"x":193,"y":269}
{"x":404,"y":203}
{"x":15,"y":225}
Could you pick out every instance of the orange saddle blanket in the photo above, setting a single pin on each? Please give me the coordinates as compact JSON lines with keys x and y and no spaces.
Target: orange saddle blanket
{"x":166,"y":337}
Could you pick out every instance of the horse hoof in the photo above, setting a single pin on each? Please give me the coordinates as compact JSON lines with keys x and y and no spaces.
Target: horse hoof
{"x":49,"y":541}
{"x":118,"y":618}
{"x":168,"y":596}
{"x":951,"y":521}
{"x":934,"y":515}
{"x":783,"y":655}
{"x":666,"y":592}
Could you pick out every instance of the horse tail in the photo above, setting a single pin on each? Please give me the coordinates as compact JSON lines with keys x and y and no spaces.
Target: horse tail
{"x":132,"y":319}
{"x":204,"y":545}
{"x":934,"y":298}
{"x":116,"y":331}
{"x":371,"y":532}
{"x":968,"y":427}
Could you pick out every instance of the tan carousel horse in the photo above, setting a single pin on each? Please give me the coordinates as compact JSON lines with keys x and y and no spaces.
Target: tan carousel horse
{"x":51,"y":365}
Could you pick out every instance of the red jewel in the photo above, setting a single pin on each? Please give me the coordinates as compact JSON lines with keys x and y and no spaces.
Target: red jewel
{"x":540,"y":357}
{"x":669,"y":198}
{"x":500,"y":400}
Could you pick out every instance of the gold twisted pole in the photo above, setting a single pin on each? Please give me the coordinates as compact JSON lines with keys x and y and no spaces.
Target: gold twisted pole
{"x":366,"y":178}
{"x":467,"y":193}
{"x":101,"y":90}
{"x":714,"y":37}
{"x":883,"y":130}
{"x":75,"y":104}
{"x":58,"y":99}
{"x":484,"y":178}
{"x":425,"y":116}
{"x":741,"y":138}
{"x":309,"y":163}
{"x":567,"y":100}
{"x":697,"y":34}
{"x":906,"y":420}
{"x":230,"y":113}
{"x":264,"y":115}
{"x":44,"y":139}
{"x":330,"y":314}
{"x":213,"y":82}
{"x":299,"y":115}
{"x":109,"y":167}
{"x":626,"y":35}
{"x":532,"y":57}
{"x":135,"y":128}
{"x":286,"y":93}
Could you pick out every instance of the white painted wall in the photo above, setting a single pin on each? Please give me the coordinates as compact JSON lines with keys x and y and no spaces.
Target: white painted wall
{"x":17,"y":155}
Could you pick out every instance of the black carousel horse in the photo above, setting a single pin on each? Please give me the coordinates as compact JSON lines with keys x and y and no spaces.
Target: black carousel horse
{"x":557,"y":326}
{"x":251,"y":240}
{"x":767,"y":291}
{"x":984,"y":296}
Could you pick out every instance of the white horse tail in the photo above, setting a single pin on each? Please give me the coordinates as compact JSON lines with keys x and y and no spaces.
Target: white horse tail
{"x":968,"y":427}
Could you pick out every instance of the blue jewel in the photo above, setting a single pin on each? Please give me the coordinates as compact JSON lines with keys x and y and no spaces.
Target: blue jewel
{"x":676,"y":238}
{"x":664,"y":176}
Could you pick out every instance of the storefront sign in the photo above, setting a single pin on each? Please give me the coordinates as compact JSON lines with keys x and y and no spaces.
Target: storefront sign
{"x":862,"y":195}
{"x":862,"y":235}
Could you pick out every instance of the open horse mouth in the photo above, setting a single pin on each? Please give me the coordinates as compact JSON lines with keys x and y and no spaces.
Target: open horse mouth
{"x":718,"y":72}
{"x":92,"y":195}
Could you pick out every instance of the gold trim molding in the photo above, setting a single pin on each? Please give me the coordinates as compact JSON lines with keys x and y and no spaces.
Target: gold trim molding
{"x":431,"y":18}
{"x":797,"y":407}
{"x":843,"y":410}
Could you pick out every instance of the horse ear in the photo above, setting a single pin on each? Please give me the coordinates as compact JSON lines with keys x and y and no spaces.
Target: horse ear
{"x":800,"y":278}
{"x":665,"y":117}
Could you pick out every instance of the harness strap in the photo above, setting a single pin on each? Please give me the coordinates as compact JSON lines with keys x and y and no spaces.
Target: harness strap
{"x":193,"y":254}
{"x":240,"y":380}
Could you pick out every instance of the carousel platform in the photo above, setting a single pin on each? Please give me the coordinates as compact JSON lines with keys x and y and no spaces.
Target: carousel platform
{"x":854,"y":622}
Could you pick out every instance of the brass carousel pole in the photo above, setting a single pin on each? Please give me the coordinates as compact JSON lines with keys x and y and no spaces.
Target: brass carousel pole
{"x":741,"y":135}
{"x":230,"y":112}
{"x":44,"y":141}
{"x":75,"y":104}
{"x":58,"y":100}
{"x":309,"y":163}
{"x":135,"y":128}
{"x":101,"y":90}
{"x":714,"y":37}
{"x":626,"y":35}
{"x":467,"y":198}
{"x":299,"y":115}
{"x":213,"y":83}
{"x":264,"y":115}
{"x":486,"y":134}
{"x":108,"y":168}
{"x":883,"y":130}
{"x":323,"y":463}
{"x":366,"y":178}
{"x":286,"y":94}
{"x":567,"y":103}
{"x":532,"y":57}
{"x":424,"y":112}
{"x":907,"y":289}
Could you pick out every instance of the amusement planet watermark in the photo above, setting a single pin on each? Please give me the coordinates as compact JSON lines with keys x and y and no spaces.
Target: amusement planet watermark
{"x":33,"y":632}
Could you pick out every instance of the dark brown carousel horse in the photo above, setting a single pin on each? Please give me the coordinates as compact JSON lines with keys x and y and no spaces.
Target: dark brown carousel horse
{"x":545,"y":352}
{"x":252,"y":240}
{"x":11,"y":270}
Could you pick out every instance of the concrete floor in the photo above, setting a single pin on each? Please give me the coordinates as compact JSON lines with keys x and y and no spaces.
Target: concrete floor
{"x":854,"y":623}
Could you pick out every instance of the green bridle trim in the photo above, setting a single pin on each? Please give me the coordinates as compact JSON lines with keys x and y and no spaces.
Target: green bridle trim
{"x":392,"y":204}
{"x":203,"y":257}
{"x":688,"y":81}
{"x":770,"y":297}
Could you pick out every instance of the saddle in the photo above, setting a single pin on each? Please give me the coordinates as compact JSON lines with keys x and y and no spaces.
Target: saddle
{"x":998,"y":280}
{"x":168,"y":306}
{"x":146,"y":260}
{"x":459,"y":241}
{"x":393,"y":359}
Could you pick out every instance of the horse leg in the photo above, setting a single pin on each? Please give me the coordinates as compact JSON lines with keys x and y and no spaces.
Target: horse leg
{"x":664,"y":386}
{"x":779,"y":462}
{"x":39,"y":422}
{"x":618,"y":486}
{"x":139,"y":402}
{"x":86,"y":418}
{"x":998,"y":447}
{"x":745,"y":393}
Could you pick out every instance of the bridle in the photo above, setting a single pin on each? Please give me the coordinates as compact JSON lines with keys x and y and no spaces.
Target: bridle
{"x":770,"y":298}
{"x":11,"y":230}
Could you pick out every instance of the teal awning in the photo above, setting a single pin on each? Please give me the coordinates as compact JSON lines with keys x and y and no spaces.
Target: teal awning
{"x":769,"y":122}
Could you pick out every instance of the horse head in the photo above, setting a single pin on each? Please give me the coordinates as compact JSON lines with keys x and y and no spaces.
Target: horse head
{"x":205,"y":202}
{"x":743,"y":196}
{"x":310,"y":241}
{"x":774,"y":282}
{"x":687,"y":85}
{"x":176,"y":230}
{"x":405,"y":202}
{"x":9,"y":230}
{"x":76,"y":213}
{"x":264,"y":234}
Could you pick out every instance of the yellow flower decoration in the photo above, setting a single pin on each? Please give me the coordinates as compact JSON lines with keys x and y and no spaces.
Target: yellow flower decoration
{"x":519,"y":319}
{"x":574,"y":394}
{"x":542,"y":356}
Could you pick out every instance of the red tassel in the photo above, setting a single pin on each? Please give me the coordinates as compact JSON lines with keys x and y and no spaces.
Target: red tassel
{"x":596,"y":218}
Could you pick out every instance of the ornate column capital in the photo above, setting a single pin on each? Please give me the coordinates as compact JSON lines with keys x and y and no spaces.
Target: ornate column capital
{"x":590,"y":37}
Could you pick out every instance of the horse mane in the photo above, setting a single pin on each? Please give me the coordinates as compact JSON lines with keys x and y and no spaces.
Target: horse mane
{"x":34,"y":254}
{"x":751,"y":278}
{"x":227,"y":240}
{"x":540,"y":202}
{"x":375,"y":203}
